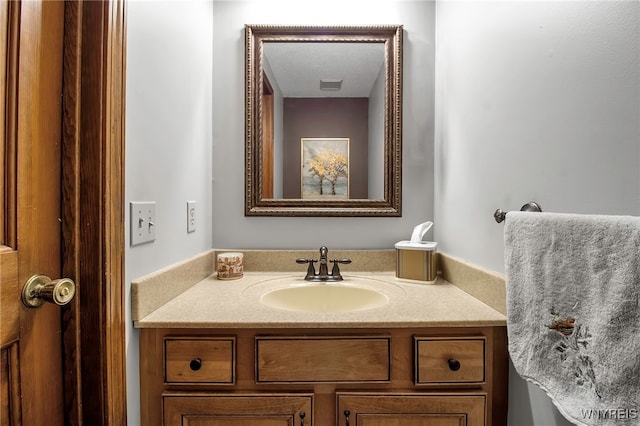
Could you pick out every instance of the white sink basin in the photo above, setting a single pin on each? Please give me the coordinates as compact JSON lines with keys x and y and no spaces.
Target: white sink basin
{"x":355,"y":293}
{"x":324,"y":297}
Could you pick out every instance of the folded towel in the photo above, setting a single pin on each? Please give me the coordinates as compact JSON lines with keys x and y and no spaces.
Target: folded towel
{"x":573,"y":311}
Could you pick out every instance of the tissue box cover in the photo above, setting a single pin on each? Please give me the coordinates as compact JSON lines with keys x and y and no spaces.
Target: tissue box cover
{"x":416,"y":260}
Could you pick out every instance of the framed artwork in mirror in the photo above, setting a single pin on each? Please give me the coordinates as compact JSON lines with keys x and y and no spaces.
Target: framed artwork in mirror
{"x":324,"y":168}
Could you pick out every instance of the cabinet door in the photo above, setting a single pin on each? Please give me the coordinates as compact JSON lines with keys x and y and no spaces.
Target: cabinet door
{"x":411,"y":409}
{"x":238,"y":410}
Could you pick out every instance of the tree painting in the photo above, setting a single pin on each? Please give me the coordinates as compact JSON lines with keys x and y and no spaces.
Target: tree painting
{"x":325,"y":168}
{"x":329,"y":165}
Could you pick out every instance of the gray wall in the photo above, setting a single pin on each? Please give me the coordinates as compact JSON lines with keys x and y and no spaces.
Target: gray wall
{"x":231,"y":229}
{"x":168,"y":142}
{"x":534,"y":101}
{"x":376,"y":138}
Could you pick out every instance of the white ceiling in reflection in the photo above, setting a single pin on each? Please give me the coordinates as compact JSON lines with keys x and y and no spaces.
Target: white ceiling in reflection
{"x":299,"y":67}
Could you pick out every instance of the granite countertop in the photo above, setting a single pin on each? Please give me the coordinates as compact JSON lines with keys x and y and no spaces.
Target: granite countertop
{"x":213,"y":303}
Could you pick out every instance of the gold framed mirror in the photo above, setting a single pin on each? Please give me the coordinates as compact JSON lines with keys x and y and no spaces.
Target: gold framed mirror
{"x":323,"y":125}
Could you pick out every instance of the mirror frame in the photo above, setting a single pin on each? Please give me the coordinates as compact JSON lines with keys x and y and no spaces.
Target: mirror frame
{"x":390,"y":205}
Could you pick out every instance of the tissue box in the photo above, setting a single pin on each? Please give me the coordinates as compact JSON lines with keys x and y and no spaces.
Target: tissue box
{"x":416,"y":260}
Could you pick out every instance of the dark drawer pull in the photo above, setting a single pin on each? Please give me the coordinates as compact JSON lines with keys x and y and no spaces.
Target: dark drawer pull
{"x":347,"y":413}
{"x":195,"y":364}
{"x":302,"y":416}
{"x":454,"y":364}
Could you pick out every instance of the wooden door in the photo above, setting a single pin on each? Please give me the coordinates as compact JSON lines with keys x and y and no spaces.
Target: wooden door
{"x":31,"y":43}
{"x":267,"y":139}
{"x":239,"y":410}
{"x":453,"y":409}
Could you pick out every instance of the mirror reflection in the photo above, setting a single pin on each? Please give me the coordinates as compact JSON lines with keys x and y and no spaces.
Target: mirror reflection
{"x":323,"y":120}
{"x":325,"y":91}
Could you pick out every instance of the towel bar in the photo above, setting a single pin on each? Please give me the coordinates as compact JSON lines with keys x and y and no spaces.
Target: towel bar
{"x":500,"y":215}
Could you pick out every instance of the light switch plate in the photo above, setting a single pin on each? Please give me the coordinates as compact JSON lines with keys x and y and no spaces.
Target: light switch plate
{"x":191,"y":216}
{"x":143,"y":222}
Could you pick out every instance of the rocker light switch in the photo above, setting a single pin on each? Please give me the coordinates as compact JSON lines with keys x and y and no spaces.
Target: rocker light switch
{"x":143,"y":222}
{"x":191,"y":216}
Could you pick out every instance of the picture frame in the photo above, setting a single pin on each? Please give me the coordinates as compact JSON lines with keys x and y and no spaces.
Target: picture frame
{"x":324,"y":168}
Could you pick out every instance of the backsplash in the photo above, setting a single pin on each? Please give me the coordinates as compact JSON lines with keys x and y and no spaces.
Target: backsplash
{"x":150,"y":292}
{"x":285,"y":260}
{"x":487,"y":286}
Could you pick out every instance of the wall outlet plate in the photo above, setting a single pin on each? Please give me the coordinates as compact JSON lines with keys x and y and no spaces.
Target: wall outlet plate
{"x":143,"y":222}
{"x":191,"y":216}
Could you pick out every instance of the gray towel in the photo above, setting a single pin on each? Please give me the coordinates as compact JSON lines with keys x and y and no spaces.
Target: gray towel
{"x":573,"y":311}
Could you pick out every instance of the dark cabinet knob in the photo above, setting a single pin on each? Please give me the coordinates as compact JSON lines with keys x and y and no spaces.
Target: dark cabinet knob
{"x":195,"y":364}
{"x":454,"y":364}
{"x":302,"y":416}
{"x":347,"y":413}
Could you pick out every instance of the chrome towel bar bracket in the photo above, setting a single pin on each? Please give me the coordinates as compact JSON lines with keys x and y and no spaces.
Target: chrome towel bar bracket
{"x":500,"y":215}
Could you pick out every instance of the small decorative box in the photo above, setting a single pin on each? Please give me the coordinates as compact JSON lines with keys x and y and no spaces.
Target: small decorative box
{"x":229,"y":266}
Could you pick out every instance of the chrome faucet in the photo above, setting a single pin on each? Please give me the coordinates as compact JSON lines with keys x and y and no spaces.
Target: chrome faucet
{"x":323,"y":274}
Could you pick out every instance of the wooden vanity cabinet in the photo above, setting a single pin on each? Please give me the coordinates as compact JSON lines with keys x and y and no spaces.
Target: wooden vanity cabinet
{"x":272,"y":377}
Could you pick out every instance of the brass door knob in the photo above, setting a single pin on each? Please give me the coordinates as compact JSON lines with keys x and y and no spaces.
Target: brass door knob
{"x":40,"y":289}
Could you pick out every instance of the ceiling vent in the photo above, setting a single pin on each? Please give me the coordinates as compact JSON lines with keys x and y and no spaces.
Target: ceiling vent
{"x":328,"y":84}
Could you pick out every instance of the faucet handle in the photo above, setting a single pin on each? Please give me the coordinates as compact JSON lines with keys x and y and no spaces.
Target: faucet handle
{"x":335,"y":271}
{"x":311,"y":270}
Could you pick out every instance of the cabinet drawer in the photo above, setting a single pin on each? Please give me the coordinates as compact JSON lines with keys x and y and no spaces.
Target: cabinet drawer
{"x":199,"y":360}
{"x":449,"y":360}
{"x":323,"y":359}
